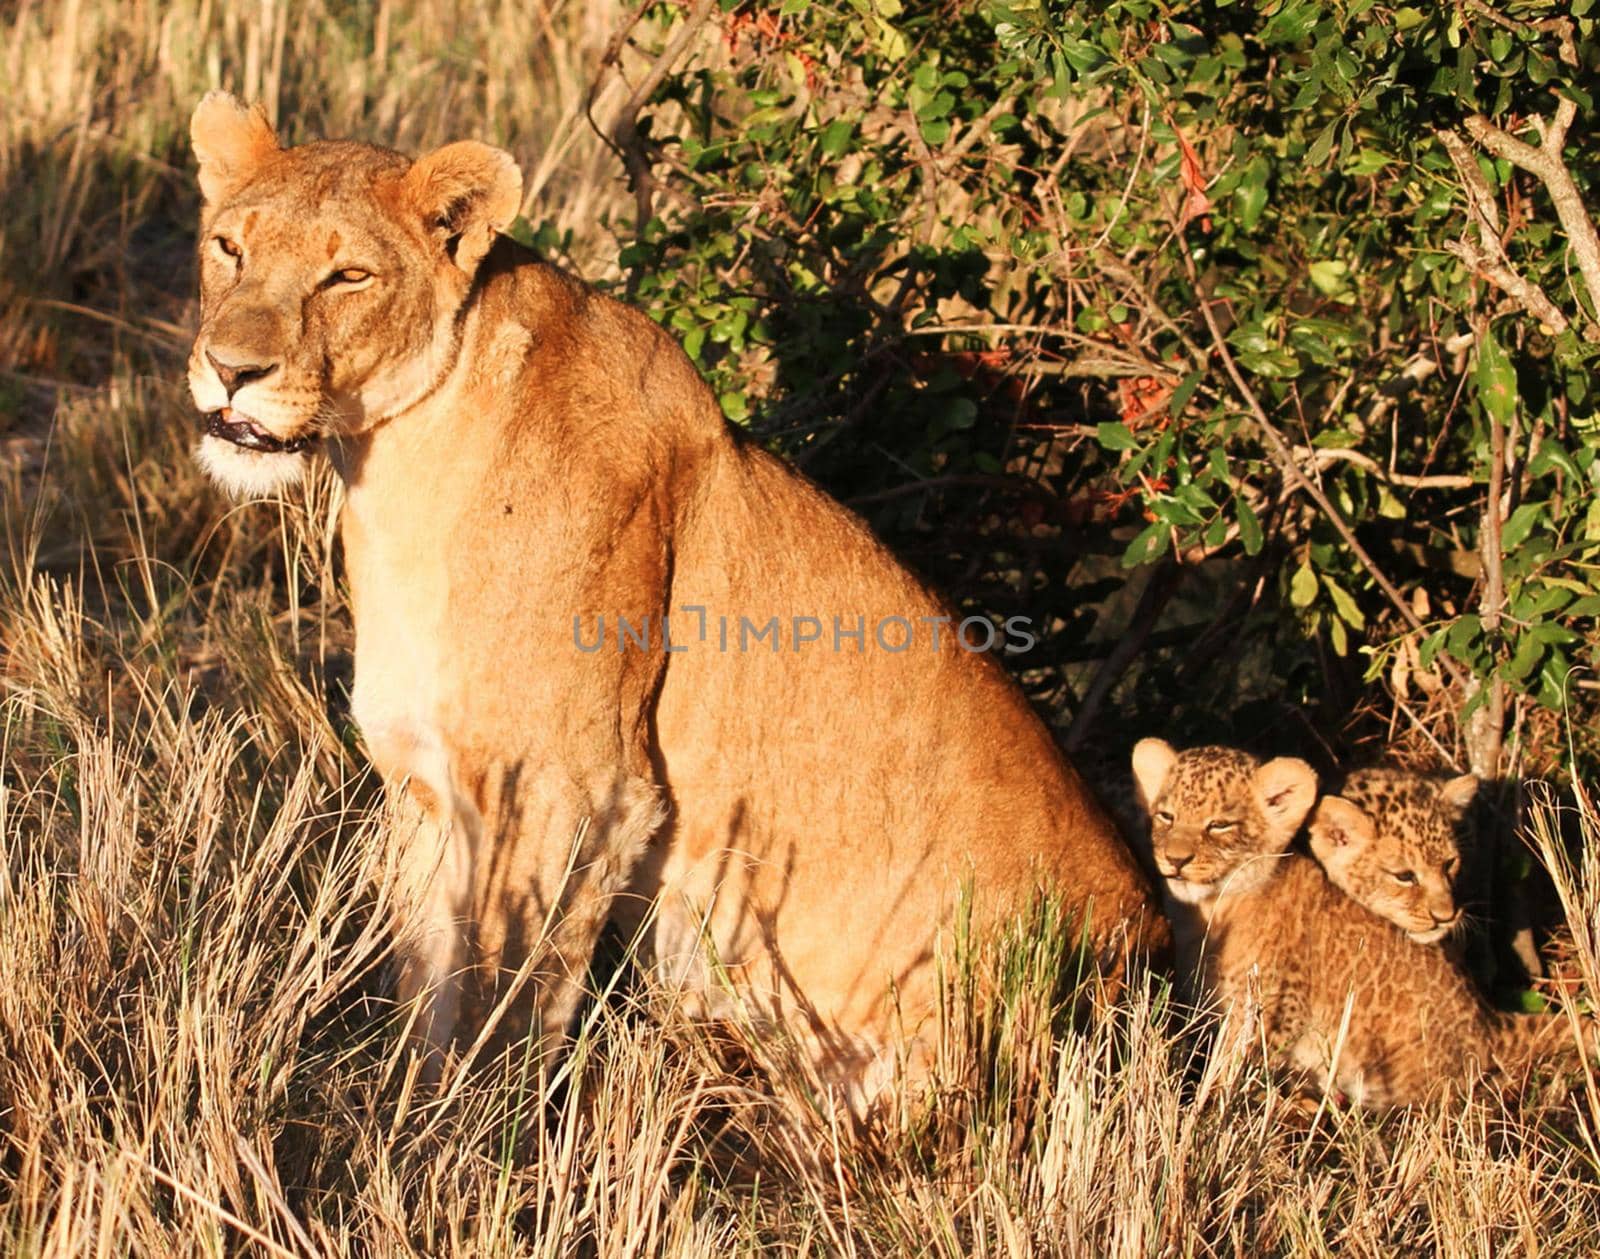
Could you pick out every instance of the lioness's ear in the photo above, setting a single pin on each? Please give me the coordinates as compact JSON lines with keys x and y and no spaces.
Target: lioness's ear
{"x":230,"y":140}
{"x":1152,"y":762}
{"x":1339,"y":824}
{"x":465,"y":193}
{"x":1286,"y":788}
{"x":1458,"y":794}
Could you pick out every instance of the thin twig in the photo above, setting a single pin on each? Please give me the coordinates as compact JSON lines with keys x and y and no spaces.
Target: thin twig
{"x":1337,"y":454}
{"x":1289,"y":466}
{"x":973,"y":480}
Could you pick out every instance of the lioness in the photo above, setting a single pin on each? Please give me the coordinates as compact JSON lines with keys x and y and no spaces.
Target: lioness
{"x":532,"y":469}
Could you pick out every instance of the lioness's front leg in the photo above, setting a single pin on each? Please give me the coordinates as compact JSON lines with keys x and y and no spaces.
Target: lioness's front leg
{"x":501,"y":903}
{"x":433,"y":877}
{"x":555,"y":849}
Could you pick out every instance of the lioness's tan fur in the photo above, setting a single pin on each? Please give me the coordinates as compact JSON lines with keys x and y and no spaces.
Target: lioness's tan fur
{"x":520,"y":452}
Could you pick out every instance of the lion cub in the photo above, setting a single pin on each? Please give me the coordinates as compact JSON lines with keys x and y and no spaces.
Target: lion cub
{"x":1390,"y":840}
{"x":1336,"y":993}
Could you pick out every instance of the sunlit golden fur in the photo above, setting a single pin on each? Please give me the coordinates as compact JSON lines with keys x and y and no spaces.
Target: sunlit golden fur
{"x":526,"y":460}
{"x":1340,"y":998}
{"x":1392,"y":841}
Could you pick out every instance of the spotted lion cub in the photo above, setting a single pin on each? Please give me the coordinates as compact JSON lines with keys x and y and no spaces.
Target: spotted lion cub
{"x":1339,"y":996}
{"x":1391,"y":841}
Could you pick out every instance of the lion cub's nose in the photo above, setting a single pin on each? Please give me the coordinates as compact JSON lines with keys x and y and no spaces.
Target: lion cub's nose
{"x":235,"y":376}
{"x":1177,"y":860}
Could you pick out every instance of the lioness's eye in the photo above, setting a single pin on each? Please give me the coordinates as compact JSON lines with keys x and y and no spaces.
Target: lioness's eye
{"x":228,"y":247}
{"x":347,"y":275}
{"x":1403,"y":876}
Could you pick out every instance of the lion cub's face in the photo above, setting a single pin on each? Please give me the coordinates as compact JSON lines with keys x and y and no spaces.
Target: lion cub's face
{"x":330,"y":278}
{"x":1218,"y":817}
{"x":1391,"y":841}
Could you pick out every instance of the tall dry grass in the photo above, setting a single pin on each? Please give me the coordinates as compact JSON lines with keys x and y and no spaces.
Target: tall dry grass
{"x":198,"y":1051}
{"x":95,"y":98}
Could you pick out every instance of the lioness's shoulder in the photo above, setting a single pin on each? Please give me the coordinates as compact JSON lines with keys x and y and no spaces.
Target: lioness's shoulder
{"x":559,"y":343}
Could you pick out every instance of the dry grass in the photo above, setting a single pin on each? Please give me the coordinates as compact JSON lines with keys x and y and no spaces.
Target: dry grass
{"x":197,"y":1050}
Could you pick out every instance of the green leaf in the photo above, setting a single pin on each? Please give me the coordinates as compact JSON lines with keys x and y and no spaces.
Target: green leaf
{"x":1250,"y":194}
{"x":1496,"y":380}
{"x":1516,"y":529}
{"x":1344,"y":604}
{"x":1151,"y":543}
{"x":1114,"y":435}
{"x":836,"y":137}
{"x":1249,"y":527}
{"x":1367,"y":162}
{"x":1303,"y":587}
{"x":1461,"y":636}
{"x":1538,"y":601}
{"x":1182,"y":394}
{"x":1317,"y":154}
{"x":960,"y":414}
{"x":1530,"y":651}
{"x":1331,"y":277}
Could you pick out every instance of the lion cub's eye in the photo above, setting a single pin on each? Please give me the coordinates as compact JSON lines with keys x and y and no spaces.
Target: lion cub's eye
{"x":1220,"y":826}
{"x":228,"y":247}
{"x":1163,"y":818}
{"x":1403,"y":876}
{"x":347,"y":278}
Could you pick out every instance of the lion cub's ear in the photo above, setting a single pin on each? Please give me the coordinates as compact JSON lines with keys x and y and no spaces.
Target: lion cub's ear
{"x":465,"y":193}
{"x":1152,"y":762}
{"x":230,"y":140}
{"x":1286,"y":788}
{"x":1458,"y":794}
{"x":1339,"y":824}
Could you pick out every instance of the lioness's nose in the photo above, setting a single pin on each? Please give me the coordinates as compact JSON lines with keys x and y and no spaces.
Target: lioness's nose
{"x":235,"y":376}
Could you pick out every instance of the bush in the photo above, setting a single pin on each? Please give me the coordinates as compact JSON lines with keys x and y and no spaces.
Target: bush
{"x":1290,"y":310}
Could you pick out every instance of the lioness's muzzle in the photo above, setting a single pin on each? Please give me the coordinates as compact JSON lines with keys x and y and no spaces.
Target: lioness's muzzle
{"x":250,"y":436}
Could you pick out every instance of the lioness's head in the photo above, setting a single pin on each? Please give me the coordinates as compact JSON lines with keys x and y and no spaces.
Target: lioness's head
{"x":331,"y":276}
{"x":1219,"y":817}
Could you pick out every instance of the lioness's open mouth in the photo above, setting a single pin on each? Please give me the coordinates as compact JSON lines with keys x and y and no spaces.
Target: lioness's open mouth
{"x":229,"y":425}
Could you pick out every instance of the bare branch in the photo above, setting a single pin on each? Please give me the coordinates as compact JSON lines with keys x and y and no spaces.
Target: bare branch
{"x":1486,"y":256}
{"x":1545,"y":162}
{"x":623,"y":134}
{"x":1486,"y":726}
{"x":1335,"y":454}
